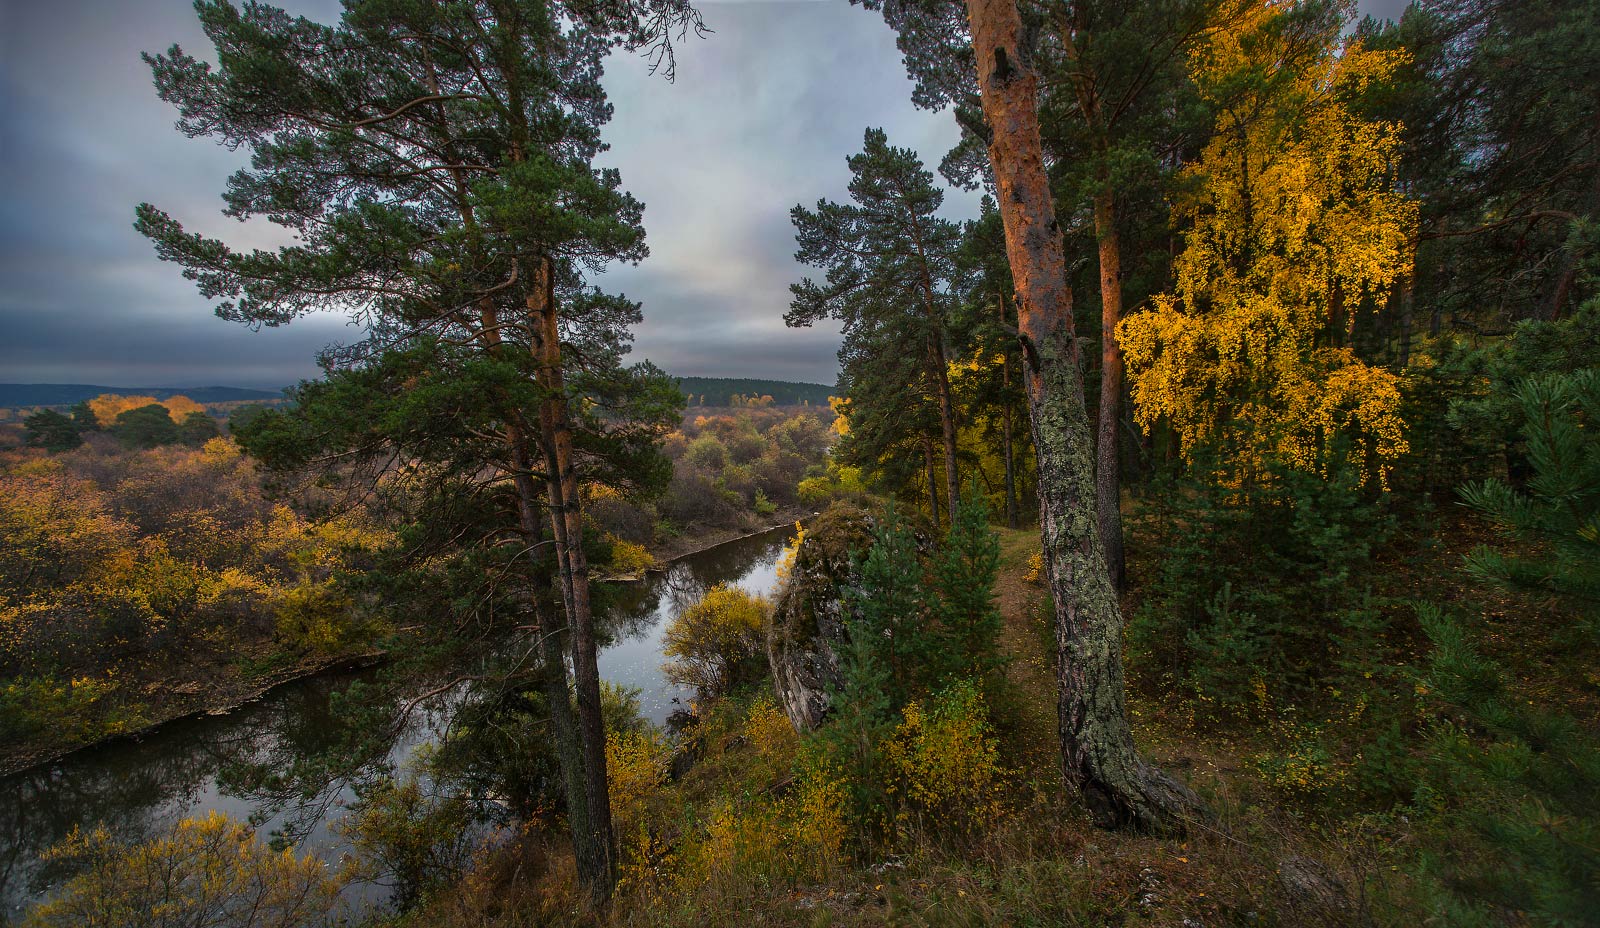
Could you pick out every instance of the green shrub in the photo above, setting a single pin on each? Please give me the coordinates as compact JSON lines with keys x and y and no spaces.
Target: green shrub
{"x":1262,"y":584}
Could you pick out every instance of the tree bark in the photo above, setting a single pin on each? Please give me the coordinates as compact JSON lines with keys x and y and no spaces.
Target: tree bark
{"x":566,"y":518}
{"x":552,"y":631}
{"x":933,"y":484}
{"x":1005,"y":428}
{"x":947,"y":426}
{"x":1408,"y":300}
{"x":1108,"y":477}
{"x":1098,"y":756}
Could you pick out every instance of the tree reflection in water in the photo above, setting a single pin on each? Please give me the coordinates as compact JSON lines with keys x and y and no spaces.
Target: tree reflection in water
{"x":291,"y":762}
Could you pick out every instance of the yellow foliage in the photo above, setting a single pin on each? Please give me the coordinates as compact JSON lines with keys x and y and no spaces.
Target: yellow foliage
{"x":816,"y":820}
{"x":771,"y":733}
{"x":320,"y":616}
{"x":1035,"y":567}
{"x":204,"y":871}
{"x":790,"y":552}
{"x":636,"y":770}
{"x":57,"y":529}
{"x":1293,"y":229}
{"x":841,"y":414}
{"x":709,"y":641}
{"x":108,"y":406}
{"x":944,"y":762}
{"x":629,"y":557}
{"x":220,"y":451}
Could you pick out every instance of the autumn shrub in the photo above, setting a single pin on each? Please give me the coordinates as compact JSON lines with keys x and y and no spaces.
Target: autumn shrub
{"x":629,"y":557}
{"x":209,"y":871}
{"x":637,"y":763}
{"x":318,"y":616}
{"x":757,"y":844}
{"x":943,"y":764}
{"x":836,"y":482}
{"x":716,"y":644}
{"x":771,"y":736}
{"x":411,"y":837}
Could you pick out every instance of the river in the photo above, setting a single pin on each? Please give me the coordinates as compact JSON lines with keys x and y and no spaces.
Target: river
{"x":138,"y":789}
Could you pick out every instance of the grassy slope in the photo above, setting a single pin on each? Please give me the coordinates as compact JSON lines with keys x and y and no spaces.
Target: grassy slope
{"x":1041,"y":865}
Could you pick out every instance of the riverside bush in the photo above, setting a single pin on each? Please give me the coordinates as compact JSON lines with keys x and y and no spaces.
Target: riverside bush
{"x":716,"y":644}
{"x":209,"y":871}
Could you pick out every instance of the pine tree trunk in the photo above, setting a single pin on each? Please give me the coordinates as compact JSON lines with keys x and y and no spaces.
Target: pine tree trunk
{"x":1108,"y":478}
{"x":947,"y":426}
{"x":940,"y":361}
{"x":1011,"y":469}
{"x":933,"y":484}
{"x":1408,"y":294}
{"x":1005,"y":426}
{"x":1099,"y":759}
{"x":552,"y":632}
{"x":566,"y":518}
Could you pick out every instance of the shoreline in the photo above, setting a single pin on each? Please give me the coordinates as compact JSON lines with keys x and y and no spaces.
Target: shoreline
{"x":787,"y":518}
{"x":223,"y":700}
{"x":200,"y":705}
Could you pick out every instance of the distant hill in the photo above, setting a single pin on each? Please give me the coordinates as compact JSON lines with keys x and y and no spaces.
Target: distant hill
{"x":719,"y":391}
{"x":65,"y":394}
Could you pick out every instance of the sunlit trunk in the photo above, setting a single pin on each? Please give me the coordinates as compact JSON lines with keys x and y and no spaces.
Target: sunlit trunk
{"x":1098,"y":755}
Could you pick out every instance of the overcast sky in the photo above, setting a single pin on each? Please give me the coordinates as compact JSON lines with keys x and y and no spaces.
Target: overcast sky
{"x":761,"y":117}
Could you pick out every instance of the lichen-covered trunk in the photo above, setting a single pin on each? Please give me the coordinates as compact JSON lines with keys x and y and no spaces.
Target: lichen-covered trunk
{"x":1098,"y":755}
{"x":599,"y":873}
{"x":1108,"y":480}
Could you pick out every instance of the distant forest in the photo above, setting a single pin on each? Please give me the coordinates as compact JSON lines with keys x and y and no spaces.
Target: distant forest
{"x":719,"y":391}
{"x":66,"y":394}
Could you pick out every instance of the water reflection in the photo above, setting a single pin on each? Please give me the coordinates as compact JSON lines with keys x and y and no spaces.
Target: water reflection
{"x":138,"y":789}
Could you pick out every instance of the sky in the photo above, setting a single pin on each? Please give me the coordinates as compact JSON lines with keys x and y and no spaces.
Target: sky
{"x":762,"y":114}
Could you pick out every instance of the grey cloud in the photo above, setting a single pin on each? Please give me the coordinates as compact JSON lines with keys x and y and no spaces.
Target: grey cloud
{"x":761,"y":117}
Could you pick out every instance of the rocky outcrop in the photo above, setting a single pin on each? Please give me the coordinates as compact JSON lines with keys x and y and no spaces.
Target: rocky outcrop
{"x":810,"y":616}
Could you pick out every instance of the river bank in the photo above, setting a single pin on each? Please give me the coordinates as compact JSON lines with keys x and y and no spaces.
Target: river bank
{"x":137,"y":788}
{"x":159,"y":696}
{"x":165,"y":700}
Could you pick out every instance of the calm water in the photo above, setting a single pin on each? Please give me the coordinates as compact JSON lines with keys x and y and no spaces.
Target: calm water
{"x":138,"y":789}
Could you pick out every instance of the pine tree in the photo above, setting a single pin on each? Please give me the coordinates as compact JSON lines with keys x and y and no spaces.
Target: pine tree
{"x":894,"y":611}
{"x":979,"y":60}
{"x":435,"y":163}
{"x":964,"y":574}
{"x":889,"y":260}
{"x":52,"y":431}
{"x":1558,"y":512}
